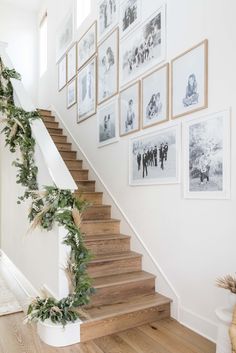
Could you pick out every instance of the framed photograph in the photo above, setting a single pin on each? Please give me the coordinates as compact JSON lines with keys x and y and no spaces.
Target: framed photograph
{"x":71,"y":63}
{"x":108,"y":68}
{"x":87,"y":46}
{"x":129,"y":109}
{"x":206,"y":144}
{"x":64,"y":35}
{"x":107,"y":119}
{"x":143,"y":48}
{"x":62,"y":73}
{"x":87,"y":91}
{"x":189,"y":81}
{"x":71,"y":93}
{"x":107,"y":16}
{"x":154,"y":158}
{"x":155,"y":97}
{"x":130,"y":15}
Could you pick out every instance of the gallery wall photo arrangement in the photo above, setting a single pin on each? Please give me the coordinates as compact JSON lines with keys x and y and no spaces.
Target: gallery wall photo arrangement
{"x":87,"y":100}
{"x":144,"y":47}
{"x":129,"y":109}
{"x":189,"y":81}
{"x":155,"y":97}
{"x":64,"y":35}
{"x":154,"y":157}
{"x":206,"y":144}
{"x":71,"y":93}
{"x":107,"y":17}
{"x":71,"y":62}
{"x":87,"y":45}
{"x":108,"y":77}
{"x":62,"y":73}
{"x":130,"y":15}
{"x":107,"y":122}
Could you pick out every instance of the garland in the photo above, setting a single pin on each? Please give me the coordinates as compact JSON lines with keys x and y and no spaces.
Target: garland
{"x":49,"y":207}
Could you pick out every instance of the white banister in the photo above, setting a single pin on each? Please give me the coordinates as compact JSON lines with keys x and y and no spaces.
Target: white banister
{"x":54,"y":162}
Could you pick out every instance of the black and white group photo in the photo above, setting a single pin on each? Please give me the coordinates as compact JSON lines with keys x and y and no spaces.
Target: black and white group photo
{"x":108,"y":15}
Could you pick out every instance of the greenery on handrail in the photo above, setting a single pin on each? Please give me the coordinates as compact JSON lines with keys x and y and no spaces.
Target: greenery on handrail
{"x":49,"y":207}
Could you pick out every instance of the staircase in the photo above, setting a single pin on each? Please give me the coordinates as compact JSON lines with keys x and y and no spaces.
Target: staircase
{"x":125,"y":295}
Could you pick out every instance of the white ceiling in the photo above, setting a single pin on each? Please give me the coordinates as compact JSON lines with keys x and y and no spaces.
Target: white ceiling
{"x":26,"y":4}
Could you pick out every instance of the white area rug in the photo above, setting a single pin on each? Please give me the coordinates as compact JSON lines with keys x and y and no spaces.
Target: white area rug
{"x":8,"y":302}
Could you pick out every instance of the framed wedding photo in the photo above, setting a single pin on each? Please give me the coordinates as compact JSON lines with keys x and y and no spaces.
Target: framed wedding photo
{"x":130,"y":15}
{"x":107,"y":120}
{"x":87,"y":45}
{"x":189,"y":76}
{"x":107,"y":17}
{"x":108,"y":80}
{"x":71,"y":62}
{"x":64,"y":35}
{"x":206,"y":145}
{"x":155,"y":97}
{"x":71,"y":93}
{"x":62,"y":73}
{"x":129,"y":109}
{"x":87,"y":91}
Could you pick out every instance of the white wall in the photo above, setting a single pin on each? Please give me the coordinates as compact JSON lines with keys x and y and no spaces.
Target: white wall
{"x":192,"y":240}
{"x":18,"y":27}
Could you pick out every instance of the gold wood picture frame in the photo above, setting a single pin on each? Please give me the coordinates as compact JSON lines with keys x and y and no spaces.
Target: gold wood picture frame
{"x":92,"y":53}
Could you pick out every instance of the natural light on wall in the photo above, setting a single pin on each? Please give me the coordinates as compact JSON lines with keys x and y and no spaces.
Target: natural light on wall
{"x":43,"y":45}
{"x":83,"y":10}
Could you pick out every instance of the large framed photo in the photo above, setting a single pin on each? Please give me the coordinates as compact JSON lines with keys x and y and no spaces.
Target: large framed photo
{"x":87,"y":90}
{"x":155,"y":97}
{"x":108,"y":67}
{"x":207,"y":157}
{"x":154,"y":158}
{"x":62,"y":74}
{"x":71,"y":63}
{"x":189,"y":81}
{"x":130,"y":15}
{"x":129,"y":109}
{"x":107,"y":120}
{"x":107,"y":17}
{"x":71,"y":93}
{"x":143,"y":48}
{"x":87,"y":45}
{"x":64,"y":35}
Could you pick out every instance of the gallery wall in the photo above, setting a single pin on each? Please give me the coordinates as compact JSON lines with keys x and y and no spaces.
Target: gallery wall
{"x":192,"y":240}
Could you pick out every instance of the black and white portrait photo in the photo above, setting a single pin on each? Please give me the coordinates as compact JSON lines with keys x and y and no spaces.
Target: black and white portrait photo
{"x":155,"y":97}
{"x":108,"y":68}
{"x":107,"y":17}
{"x":207,"y":142}
{"x":107,"y":117}
{"x":154,"y":157}
{"x":189,"y":81}
{"x":87,"y":45}
{"x":71,"y":93}
{"x":144,"y":48}
{"x":130,"y":109}
{"x":71,"y":63}
{"x":130,"y":15}
{"x":87,"y":91}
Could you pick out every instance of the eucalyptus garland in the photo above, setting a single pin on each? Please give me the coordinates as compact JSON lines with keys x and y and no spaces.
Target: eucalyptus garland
{"x":49,"y":207}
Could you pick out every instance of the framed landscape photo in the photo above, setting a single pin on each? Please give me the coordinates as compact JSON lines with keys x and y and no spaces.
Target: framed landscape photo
{"x":107,"y":17}
{"x":87,"y":91}
{"x":107,"y":84}
{"x":71,"y":93}
{"x":143,"y":48}
{"x":130,"y":15}
{"x":107,"y":120}
{"x":189,"y":76}
{"x":206,"y":144}
{"x":87,"y":45}
{"x":71,"y":63}
{"x":155,"y":97}
{"x":64,"y":35}
{"x":62,"y":73}
{"x":154,"y":158}
{"x":129,"y":109}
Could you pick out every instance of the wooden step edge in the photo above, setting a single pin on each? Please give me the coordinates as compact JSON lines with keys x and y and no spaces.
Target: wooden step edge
{"x":63,"y":143}
{"x":122,"y":279}
{"x":105,"y":237}
{"x":115,"y":257}
{"x":109,"y":220}
{"x":77,"y":169}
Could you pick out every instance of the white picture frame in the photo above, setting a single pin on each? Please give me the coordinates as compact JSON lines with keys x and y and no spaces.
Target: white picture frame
{"x":62,"y":72}
{"x":87,"y":45}
{"x":71,"y":57}
{"x":206,"y":146}
{"x":130,"y":16}
{"x":107,"y":122}
{"x":108,"y":13}
{"x":71,"y":93}
{"x":64,"y":35}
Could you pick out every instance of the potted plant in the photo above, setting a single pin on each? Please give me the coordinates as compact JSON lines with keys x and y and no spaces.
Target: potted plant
{"x":228,"y":282}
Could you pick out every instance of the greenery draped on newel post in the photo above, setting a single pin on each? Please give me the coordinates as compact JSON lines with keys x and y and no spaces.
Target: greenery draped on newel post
{"x":48,"y":207}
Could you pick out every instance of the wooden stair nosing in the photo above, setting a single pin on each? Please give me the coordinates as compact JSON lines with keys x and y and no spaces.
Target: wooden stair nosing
{"x":55,"y":131}
{"x":115,"y":257}
{"x":105,"y":237}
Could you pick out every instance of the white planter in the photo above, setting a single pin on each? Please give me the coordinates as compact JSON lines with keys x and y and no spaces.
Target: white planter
{"x":58,"y":336}
{"x":223,"y":344}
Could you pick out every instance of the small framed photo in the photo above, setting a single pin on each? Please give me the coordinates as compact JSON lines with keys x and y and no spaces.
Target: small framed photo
{"x":129,"y":109}
{"x":71,"y":93}
{"x":107,"y":17}
{"x":107,"y":120}
{"x":206,"y":145}
{"x":189,"y":75}
{"x":154,"y":158}
{"x":155,"y":97}
{"x":87,"y":45}
{"x":130,"y":15}
{"x":62,"y":73}
{"x":108,"y":68}
{"x":71,"y":62}
{"x":87,"y":91}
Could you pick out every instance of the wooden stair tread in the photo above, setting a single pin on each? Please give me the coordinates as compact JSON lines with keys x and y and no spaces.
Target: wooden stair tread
{"x":121,"y":279}
{"x":115,"y":256}
{"x":105,"y":237}
{"x":101,"y":221}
